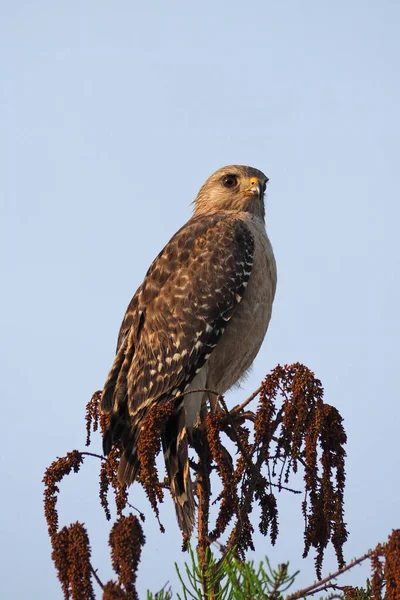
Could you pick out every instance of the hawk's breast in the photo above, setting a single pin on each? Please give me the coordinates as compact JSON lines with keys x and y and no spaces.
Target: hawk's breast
{"x":246,"y":330}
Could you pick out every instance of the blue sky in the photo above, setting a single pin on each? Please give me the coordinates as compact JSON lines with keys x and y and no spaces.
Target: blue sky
{"x":111,"y":117}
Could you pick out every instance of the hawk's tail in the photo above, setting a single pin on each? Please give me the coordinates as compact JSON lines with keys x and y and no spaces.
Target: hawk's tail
{"x":176,"y":456}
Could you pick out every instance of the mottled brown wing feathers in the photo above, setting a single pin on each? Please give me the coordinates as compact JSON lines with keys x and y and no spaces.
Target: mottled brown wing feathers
{"x":188,"y":295}
{"x":171,"y":327}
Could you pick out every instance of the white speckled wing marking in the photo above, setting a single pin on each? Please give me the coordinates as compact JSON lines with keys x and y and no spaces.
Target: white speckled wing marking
{"x":180,"y":311}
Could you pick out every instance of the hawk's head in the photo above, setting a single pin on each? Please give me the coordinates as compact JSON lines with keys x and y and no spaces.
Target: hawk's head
{"x":235,"y":188}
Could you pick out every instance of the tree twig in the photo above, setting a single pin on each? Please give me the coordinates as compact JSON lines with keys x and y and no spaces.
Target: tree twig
{"x":100,"y":456}
{"x":239,"y":407}
{"x":314,"y":588}
{"x":97,"y":578}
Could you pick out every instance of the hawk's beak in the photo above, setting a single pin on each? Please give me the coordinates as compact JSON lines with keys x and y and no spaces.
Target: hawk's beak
{"x":256,"y":188}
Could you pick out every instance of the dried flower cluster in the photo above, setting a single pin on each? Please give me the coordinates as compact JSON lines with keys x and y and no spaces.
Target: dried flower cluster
{"x":290,"y":426}
{"x":54,"y":474}
{"x":109,"y":466}
{"x":126,"y":541}
{"x":71,"y":550}
{"x":149,"y":446}
{"x":108,"y":477}
{"x":71,"y":556}
{"x":298,"y":429}
{"x":94,"y":417}
{"x":385,"y":562}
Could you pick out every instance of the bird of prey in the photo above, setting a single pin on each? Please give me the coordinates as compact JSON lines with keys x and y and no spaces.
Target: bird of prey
{"x":197,"y":321}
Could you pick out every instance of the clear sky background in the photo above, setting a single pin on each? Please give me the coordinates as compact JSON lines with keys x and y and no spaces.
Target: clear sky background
{"x":112,"y":115}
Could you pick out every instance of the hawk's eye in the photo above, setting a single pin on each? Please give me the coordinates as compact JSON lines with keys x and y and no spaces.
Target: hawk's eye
{"x":230,"y":181}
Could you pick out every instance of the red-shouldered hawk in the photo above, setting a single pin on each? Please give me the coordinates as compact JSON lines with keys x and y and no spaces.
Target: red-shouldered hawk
{"x":197,"y":321}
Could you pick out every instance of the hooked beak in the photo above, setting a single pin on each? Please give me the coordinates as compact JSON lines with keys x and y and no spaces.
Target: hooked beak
{"x":256,"y":188}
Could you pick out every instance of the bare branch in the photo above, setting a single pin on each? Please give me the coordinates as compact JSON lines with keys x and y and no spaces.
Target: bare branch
{"x":97,"y":578}
{"x":315,"y":587}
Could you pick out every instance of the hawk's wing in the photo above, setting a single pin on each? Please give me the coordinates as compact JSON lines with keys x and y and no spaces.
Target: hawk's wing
{"x":179,"y":313}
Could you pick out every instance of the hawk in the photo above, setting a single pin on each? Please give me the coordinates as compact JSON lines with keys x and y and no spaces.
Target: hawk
{"x":197,"y":321}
